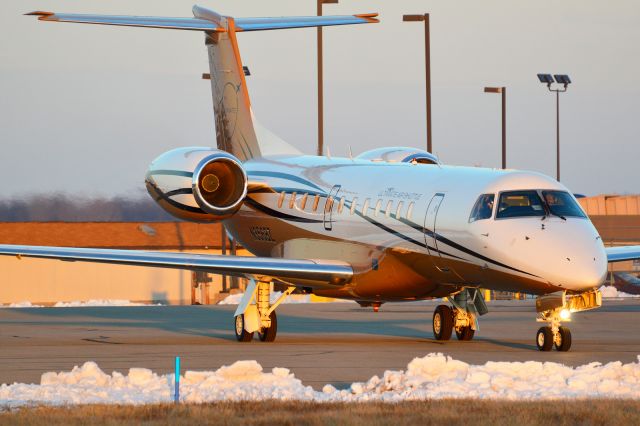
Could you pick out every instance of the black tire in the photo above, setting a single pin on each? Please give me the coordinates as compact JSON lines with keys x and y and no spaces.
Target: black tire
{"x":565,"y":340}
{"x":442,"y":322}
{"x":466,"y":333}
{"x":269,"y":334}
{"x":241,"y":334}
{"x":544,"y":339}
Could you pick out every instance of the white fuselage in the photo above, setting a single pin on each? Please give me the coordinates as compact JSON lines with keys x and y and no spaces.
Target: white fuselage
{"x":393,"y":209}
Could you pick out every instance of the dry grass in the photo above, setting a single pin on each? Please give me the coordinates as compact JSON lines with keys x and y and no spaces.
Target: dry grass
{"x":449,"y":412}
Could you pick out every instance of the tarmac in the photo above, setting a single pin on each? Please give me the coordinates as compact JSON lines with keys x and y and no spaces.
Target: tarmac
{"x":337,"y":343}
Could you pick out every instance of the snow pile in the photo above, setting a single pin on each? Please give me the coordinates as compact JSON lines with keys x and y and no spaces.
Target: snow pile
{"x":434,"y":376}
{"x":80,"y":304}
{"x":25,"y":304}
{"x":98,"y":302}
{"x":234,"y":299}
{"x":243,"y":380}
{"x":610,"y":291}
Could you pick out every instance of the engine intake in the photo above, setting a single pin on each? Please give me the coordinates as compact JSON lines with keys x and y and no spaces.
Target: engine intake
{"x":220,"y":185}
{"x":197,"y":184}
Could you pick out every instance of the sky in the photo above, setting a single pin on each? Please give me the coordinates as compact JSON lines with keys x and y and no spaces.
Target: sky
{"x":84,"y":109}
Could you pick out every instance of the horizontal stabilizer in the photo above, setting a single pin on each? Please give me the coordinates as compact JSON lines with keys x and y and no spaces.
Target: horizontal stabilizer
{"x":257,"y":24}
{"x":208,"y":20}
{"x":131,"y":21}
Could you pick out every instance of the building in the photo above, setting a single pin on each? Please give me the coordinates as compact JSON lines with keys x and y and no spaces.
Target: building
{"x":617,"y":219}
{"x":45,"y":281}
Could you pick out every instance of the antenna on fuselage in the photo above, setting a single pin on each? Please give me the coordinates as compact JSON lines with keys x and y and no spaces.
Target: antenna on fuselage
{"x":328,"y":152}
{"x":350,"y":153}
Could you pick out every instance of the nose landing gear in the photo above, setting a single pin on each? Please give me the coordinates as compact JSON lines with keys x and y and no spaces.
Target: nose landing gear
{"x":555,"y":334}
{"x":555,"y":308}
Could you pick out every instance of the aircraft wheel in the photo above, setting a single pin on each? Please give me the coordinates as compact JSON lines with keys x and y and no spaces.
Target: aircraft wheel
{"x":269,"y":334}
{"x":563,"y":340}
{"x":544,"y":339}
{"x":241,"y":334}
{"x":465,"y":333}
{"x":442,"y":322}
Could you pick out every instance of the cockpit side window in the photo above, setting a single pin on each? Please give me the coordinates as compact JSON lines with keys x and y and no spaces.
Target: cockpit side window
{"x":483,"y":209}
{"x":562,"y":204}
{"x":520,"y":204}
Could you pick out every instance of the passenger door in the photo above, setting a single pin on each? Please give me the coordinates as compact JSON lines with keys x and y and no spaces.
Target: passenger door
{"x":430,"y":230}
{"x":330,"y":203}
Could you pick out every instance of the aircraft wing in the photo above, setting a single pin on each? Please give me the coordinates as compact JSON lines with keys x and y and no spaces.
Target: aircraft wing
{"x":301,"y":272}
{"x":620,"y":254}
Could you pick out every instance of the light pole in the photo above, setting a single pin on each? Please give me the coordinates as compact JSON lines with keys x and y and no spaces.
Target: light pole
{"x":503,"y":91}
{"x":564,"y":80}
{"x":427,"y":58}
{"x":319,"y":4}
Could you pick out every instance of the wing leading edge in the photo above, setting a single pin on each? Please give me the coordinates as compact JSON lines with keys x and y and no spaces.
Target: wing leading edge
{"x":620,"y":254}
{"x":302,"y":272}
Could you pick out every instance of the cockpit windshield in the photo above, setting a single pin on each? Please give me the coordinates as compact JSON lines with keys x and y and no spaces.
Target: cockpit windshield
{"x":538,"y":203}
{"x":520,"y":204}
{"x":562,"y":204}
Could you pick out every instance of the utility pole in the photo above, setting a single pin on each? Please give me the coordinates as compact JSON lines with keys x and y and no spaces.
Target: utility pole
{"x":565,"y":81}
{"x":427,"y":59}
{"x":502,"y":90}
{"x":320,"y":150}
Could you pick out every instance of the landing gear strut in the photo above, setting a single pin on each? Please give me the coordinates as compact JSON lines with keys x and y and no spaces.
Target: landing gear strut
{"x":554,"y":334}
{"x":463,"y":318}
{"x":255,"y":313}
{"x":555,"y":308}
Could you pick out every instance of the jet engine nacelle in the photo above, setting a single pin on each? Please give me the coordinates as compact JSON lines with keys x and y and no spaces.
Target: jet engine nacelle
{"x":197,"y":184}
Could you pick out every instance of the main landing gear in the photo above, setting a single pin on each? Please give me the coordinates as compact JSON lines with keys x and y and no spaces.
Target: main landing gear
{"x":463,"y":317}
{"x":255,"y":313}
{"x":556,"y":308}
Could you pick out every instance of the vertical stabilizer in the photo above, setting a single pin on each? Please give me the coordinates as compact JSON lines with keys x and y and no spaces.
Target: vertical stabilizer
{"x":235,"y":132}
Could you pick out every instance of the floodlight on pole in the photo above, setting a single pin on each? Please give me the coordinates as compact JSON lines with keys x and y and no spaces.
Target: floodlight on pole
{"x":503,"y":92}
{"x":564,"y":80}
{"x":427,"y":57}
{"x":320,"y":149}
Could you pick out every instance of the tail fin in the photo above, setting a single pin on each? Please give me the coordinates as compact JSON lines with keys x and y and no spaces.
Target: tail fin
{"x":236,"y":130}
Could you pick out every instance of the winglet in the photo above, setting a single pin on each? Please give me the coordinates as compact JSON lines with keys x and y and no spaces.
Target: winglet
{"x":42,"y":15}
{"x":371,"y":17}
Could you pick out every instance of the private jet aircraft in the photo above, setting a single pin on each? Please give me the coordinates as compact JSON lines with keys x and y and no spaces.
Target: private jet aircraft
{"x":392,"y":224}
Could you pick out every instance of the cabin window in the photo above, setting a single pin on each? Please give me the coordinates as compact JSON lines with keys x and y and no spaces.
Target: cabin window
{"x":292,"y":200}
{"x":387,"y":211}
{"x":365,"y":207}
{"x":562,"y":204}
{"x":341,"y":205}
{"x":378,"y":207}
{"x":399,"y":210}
{"x":520,"y":204}
{"x":354,"y":205}
{"x":410,"y":210}
{"x":316,"y":200}
{"x":281,"y":199}
{"x":483,"y":209}
{"x":303,"y":201}
{"x":328,"y":205}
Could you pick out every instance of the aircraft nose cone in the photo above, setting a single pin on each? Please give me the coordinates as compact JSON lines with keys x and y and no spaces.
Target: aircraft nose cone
{"x":587,"y":268}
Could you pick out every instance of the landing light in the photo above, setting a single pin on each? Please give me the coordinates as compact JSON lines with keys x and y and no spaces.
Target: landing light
{"x":565,"y":314}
